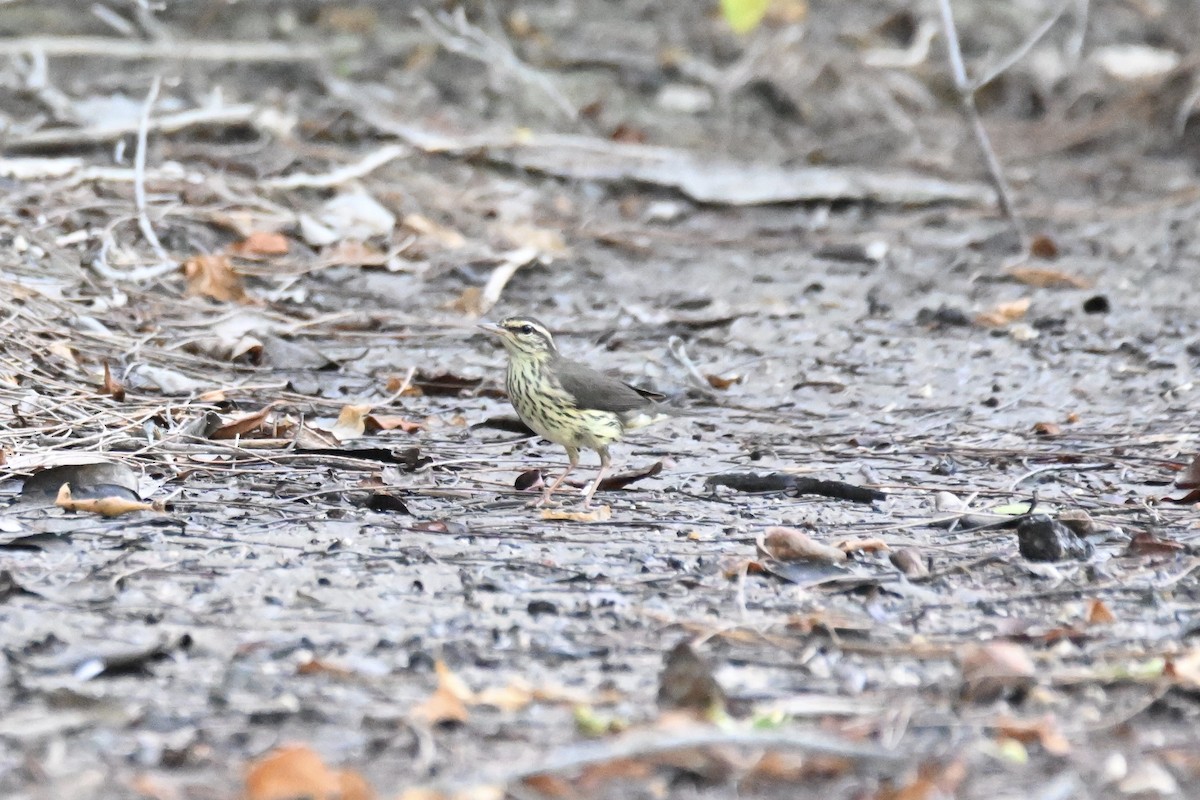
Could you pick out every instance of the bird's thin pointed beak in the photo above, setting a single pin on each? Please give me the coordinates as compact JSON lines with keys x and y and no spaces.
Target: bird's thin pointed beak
{"x":491,"y":327}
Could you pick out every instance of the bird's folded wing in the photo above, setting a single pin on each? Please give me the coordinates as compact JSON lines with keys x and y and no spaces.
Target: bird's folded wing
{"x":595,"y":390}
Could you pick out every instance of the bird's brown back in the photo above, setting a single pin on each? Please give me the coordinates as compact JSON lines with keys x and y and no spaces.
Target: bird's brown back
{"x":594,"y":390}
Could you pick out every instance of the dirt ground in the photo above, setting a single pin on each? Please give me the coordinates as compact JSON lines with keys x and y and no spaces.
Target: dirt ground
{"x":266,"y":331}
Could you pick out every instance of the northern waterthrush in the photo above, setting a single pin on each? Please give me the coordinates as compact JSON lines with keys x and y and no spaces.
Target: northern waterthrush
{"x":565,"y":401}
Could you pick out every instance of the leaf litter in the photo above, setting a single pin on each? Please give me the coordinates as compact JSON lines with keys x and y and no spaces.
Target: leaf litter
{"x":841,"y":398}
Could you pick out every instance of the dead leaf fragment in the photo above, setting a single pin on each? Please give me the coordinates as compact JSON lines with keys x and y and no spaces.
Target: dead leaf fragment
{"x":213,"y":276}
{"x":111,"y":386}
{"x":353,"y":253}
{"x":933,"y":780}
{"x":1145,"y":543}
{"x":351,"y":422}
{"x":990,"y":669}
{"x":261,"y":243}
{"x":1190,"y":477}
{"x":687,"y":682}
{"x":1004,"y":313}
{"x":1048,"y":278}
{"x":1047,"y":429}
{"x":448,"y":703}
{"x":512,"y":697}
{"x":294,"y":771}
{"x":544,"y":240}
{"x":909,"y":561}
{"x":1185,"y":669}
{"x":390,"y":422}
{"x":105,"y":506}
{"x":63,"y":351}
{"x":441,"y":234}
{"x":722,"y":382}
{"x":597,"y":514}
{"x":791,"y":544}
{"x":243,"y":425}
{"x":1043,"y":246}
{"x":1098,"y":613}
{"x":1045,"y":731}
{"x":874,"y":545}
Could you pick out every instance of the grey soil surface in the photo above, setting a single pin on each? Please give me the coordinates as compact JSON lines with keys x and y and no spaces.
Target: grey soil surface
{"x":306,"y":581}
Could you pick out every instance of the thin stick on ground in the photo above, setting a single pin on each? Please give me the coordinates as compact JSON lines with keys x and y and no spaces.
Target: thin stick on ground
{"x":642,"y":745}
{"x":350,"y":172}
{"x":139,"y":180}
{"x":54,"y":138}
{"x":215,"y":50}
{"x":456,"y":34}
{"x":966,"y":93}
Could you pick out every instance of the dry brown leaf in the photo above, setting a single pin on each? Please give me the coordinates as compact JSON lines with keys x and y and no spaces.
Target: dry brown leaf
{"x":353,"y":253}
{"x":351,"y":422}
{"x":790,"y":544}
{"x":242,"y":425}
{"x":1185,"y":668}
{"x":992,"y":668}
{"x":544,"y":240}
{"x":512,"y":697}
{"x":105,"y":506}
{"x":550,"y":786}
{"x":909,"y":561}
{"x":1045,"y":731}
{"x":1145,"y":543}
{"x":1043,"y":247}
{"x":261,"y":243}
{"x":448,"y":703}
{"x":423,"y":793}
{"x":1004,"y":313}
{"x":593,"y":777}
{"x":469,"y":302}
{"x":440,"y":708}
{"x":213,"y":276}
{"x":390,"y":422}
{"x":687,"y":682}
{"x":214,"y":396}
{"x":396,"y":382}
{"x":446,"y":237}
{"x":1047,"y":429}
{"x":934,"y":780}
{"x":63,"y":351}
{"x":353,"y":786}
{"x":149,"y":787}
{"x":112,"y":386}
{"x":296,"y":771}
{"x":874,"y":545}
{"x":1098,"y":613}
{"x":315,"y":666}
{"x":597,"y":514}
{"x":1190,"y":477}
{"x":720,"y":382}
{"x":1048,"y":278}
{"x":787,"y":12}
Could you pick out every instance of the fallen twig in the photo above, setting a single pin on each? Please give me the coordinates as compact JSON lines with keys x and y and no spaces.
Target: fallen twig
{"x":139,"y":180}
{"x":678,"y":350}
{"x":641,"y":745}
{"x":176,"y":49}
{"x":501,"y":275}
{"x":101,"y":134}
{"x":966,"y":94}
{"x":365,"y":166}
{"x":457,"y":35}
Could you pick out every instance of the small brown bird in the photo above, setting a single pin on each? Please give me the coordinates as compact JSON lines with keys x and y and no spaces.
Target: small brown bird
{"x":565,"y":401}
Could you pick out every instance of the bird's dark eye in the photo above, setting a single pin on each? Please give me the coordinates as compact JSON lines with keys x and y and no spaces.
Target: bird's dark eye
{"x":526,"y":329}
